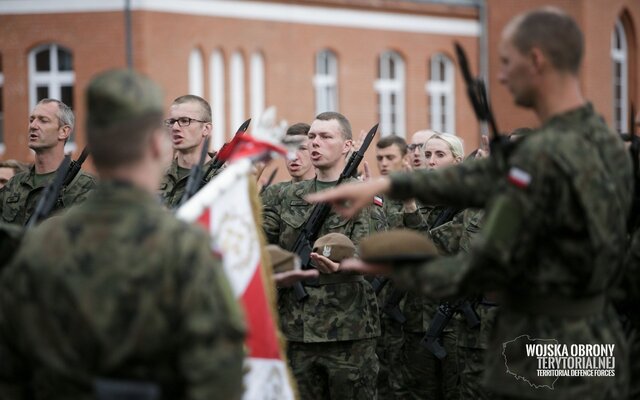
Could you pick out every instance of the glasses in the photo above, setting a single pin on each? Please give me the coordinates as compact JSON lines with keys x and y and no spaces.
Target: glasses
{"x":182,"y":121}
{"x":414,"y":146}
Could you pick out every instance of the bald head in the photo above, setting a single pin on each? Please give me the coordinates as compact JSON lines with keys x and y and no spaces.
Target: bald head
{"x":416,"y":147}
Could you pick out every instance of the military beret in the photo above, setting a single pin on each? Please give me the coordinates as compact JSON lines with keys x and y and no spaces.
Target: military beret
{"x":121,"y":95}
{"x":398,"y":245}
{"x":335,"y":246}
{"x":282,"y":260}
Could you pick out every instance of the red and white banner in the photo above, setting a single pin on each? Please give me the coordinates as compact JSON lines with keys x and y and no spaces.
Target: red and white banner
{"x":224,"y":208}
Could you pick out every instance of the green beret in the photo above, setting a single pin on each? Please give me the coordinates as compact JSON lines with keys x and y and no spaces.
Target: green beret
{"x":282,"y":260}
{"x":121,"y":95}
{"x":335,"y":246}
{"x":398,"y":245}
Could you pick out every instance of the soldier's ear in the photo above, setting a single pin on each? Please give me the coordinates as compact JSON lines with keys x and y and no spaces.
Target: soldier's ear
{"x":348,"y":145}
{"x":538,"y":59}
{"x":64,"y":132}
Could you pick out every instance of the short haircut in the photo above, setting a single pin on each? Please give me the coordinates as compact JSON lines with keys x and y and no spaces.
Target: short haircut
{"x":390,"y":141}
{"x":17,"y":166}
{"x":345,"y":125}
{"x":122,"y":142}
{"x":64,"y":114}
{"x":555,"y":33}
{"x":454,"y":143}
{"x":299,"y":129}
{"x":205,"y":108}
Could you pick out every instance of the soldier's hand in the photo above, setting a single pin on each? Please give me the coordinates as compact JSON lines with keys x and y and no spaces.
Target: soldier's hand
{"x":323,"y":264}
{"x":358,"y":266}
{"x":288,"y":278}
{"x":350,"y":198}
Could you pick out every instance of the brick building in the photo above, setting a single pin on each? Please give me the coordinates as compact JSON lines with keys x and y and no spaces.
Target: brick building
{"x":373,"y":60}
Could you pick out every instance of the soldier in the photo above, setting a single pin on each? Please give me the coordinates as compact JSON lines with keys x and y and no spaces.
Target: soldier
{"x":331,"y":334}
{"x":416,"y":147}
{"x":50,"y":124}
{"x":142,"y":308}
{"x":554,"y":233}
{"x":190,"y":124}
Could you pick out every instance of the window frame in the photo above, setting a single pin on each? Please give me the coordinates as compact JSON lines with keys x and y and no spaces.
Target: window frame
{"x":388,"y":88}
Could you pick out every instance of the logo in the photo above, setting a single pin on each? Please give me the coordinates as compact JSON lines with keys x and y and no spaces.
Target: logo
{"x":326,"y":251}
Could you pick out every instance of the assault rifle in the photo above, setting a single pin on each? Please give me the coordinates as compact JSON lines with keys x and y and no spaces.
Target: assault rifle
{"x":195,"y":176}
{"x":309,"y":233}
{"x":477,"y":93}
{"x":217,"y":163}
{"x":65,"y":174}
{"x":269,"y":181}
{"x":446,"y":311}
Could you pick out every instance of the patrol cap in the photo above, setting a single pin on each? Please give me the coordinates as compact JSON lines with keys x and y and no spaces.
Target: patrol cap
{"x":335,"y":246}
{"x":282,"y":260}
{"x":397,"y":245}
{"x":121,"y":95}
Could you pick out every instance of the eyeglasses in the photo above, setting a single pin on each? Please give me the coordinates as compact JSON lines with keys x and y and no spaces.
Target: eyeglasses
{"x":414,"y":146}
{"x":182,"y":121}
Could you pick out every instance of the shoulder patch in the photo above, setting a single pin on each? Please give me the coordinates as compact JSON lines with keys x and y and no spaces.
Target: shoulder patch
{"x":377,"y":200}
{"x":519,"y":178}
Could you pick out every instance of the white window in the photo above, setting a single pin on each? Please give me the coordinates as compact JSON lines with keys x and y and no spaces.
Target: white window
{"x":257,"y":85}
{"x":216,"y":76}
{"x":51,"y":76}
{"x":390,"y":87}
{"x":2,"y":145}
{"x":237,"y":90}
{"x":440,"y":89}
{"x":620,"y":77}
{"x":196,"y":73}
{"x":325,"y":81}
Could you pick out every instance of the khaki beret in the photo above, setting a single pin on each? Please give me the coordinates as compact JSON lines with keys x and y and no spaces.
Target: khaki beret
{"x":398,"y":245}
{"x":282,"y":260}
{"x":121,"y":95}
{"x":335,"y":246}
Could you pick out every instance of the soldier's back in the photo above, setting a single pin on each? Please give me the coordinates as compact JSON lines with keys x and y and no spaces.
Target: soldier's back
{"x":117,"y":288}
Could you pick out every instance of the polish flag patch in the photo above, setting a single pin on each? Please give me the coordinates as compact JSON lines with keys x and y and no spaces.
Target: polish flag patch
{"x":377,"y":200}
{"x":519,"y":177}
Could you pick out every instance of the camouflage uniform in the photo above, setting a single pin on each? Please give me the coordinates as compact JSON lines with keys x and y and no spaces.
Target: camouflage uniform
{"x":627,"y":299}
{"x":332,"y":333}
{"x":552,"y":242}
{"x":19,"y":197}
{"x":172,"y":186}
{"x":70,"y":313}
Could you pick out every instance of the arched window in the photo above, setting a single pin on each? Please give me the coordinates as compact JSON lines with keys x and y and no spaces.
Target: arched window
{"x":196,"y":73}
{"x":325,"y":81}
{"x":216,"y":76}
{"x":390,"y":87}
{"x":237,"y":90}
{"x":257,"y":85}
{"x":619,"y":56}
{"x":440,"y":89}
{"x":51,"y":76}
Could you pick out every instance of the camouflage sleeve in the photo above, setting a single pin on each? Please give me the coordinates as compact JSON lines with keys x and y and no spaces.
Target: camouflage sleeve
{"x":271,"y":213}
{"x":469,"y":184}
{"x":378,"y":221}
{"x":361,"y":227}
{"x":78,"y":190}
{"x":212,"y":329}
{"x":3,"y":190}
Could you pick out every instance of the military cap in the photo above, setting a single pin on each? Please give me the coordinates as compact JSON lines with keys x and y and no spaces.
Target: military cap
{"x":282,"y":260}
{"x":335,"y":246}
{"x":121,"y":95}
{"x":397,"y":245}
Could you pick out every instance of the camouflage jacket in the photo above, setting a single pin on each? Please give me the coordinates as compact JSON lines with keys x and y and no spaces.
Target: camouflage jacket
{"x":554,"y":235}
{"x":118,"y":288}
{"x":332,"y":312}
{"x":172,"y":189}
{"x":19,"y":197}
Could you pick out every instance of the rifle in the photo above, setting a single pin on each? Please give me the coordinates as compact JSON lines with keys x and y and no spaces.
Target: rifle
{"x":477,"y":93}
{"x":195,"y":176}
{"x":50,"y":194}
{"x":431,"y":339}
{"x":216,"y":163}
{"x":74,"y":169}
{"x":391,"y":307}
{"x":309,"y":233}
{"x":269,"y":181}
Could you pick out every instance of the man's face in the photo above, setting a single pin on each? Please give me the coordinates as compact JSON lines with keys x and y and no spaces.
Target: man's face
{"x":45,"y":129}
{"x":389,"y":159}
{"x":416,"y":149}
{"x":326,"y":143}
{"x":438,"y":154}
{"x":300,"y":165}
{"x":5,"y":174}
{"x":186,"y":138}
{"x":516,"y":73}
